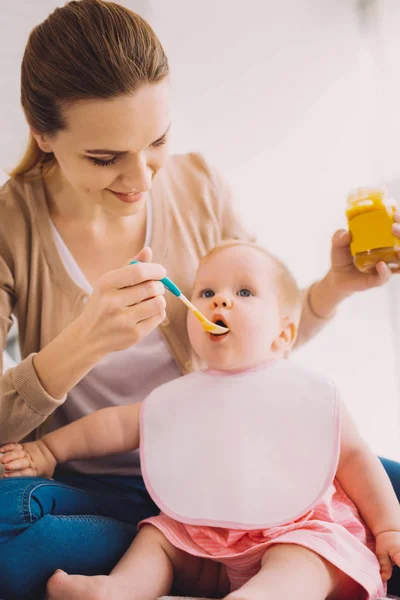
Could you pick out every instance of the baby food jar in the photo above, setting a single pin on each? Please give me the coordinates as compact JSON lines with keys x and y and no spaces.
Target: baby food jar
{"x":370,"y":216}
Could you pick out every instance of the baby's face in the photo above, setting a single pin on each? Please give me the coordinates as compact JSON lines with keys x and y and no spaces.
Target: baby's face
{"x":237,"y":286}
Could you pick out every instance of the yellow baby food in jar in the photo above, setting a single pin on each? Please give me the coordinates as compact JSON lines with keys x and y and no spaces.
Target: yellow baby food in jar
{"x":370,"y":216}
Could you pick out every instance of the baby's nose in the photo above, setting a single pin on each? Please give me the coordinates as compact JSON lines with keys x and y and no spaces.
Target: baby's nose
{"x":221,"y":301}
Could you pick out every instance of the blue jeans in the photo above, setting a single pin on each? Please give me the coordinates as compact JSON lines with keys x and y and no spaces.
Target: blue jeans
{"x":79,"y":523}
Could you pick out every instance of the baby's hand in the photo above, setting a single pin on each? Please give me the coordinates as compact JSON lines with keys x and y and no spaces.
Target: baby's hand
{"x":32,"y":459}
{"x":388,"y":552}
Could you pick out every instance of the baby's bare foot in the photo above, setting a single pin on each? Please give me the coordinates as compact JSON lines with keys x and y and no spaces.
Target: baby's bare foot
{"x":78,"y":587}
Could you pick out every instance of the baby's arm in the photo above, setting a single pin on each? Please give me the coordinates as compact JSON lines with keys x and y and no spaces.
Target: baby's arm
{"x":106,"y":431}
{"x":365,"y":481}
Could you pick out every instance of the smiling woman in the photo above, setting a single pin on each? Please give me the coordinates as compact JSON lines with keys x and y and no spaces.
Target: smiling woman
{"x":94,"y":191}
{"x":127,"y":136}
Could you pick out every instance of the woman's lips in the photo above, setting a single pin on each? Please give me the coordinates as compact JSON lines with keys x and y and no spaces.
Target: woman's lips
{"x":128,"y":198}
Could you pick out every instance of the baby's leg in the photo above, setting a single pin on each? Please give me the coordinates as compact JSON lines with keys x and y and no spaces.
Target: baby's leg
{"x":289,"y":571}
{"x":145,"y":572}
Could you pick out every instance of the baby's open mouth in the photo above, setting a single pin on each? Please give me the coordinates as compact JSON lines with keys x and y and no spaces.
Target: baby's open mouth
{"x":221,"y":323}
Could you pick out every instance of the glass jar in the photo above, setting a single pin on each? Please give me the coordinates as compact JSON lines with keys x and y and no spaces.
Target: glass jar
{"x":370,"y":216}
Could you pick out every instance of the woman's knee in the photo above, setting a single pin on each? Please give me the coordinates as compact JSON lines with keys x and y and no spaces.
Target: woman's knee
{"x":23,"y":575}
{"x":20,"y":507}
{"x":23,"y":500}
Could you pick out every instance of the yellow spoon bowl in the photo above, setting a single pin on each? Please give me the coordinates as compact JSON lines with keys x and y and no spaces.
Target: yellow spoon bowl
{"x":208,"y":325}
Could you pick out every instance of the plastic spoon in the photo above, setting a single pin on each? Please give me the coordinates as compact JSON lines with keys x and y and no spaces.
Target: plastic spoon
{"x":208,"y":325}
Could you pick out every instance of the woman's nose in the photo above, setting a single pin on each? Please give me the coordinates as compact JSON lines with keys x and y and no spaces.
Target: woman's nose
{"x":137,"y":176}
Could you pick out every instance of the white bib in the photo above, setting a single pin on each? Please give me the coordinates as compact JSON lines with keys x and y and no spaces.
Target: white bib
{"x":250,"y":450}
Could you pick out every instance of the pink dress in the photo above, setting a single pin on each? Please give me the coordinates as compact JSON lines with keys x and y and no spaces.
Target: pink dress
{"x":333,"y":529}
{"x":249,"y":460}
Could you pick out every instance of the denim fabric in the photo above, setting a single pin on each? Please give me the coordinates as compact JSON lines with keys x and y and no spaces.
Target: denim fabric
{"x":79,"y":523}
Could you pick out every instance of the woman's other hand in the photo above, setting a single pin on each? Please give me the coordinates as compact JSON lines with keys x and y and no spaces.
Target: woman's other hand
{"x":345,"y":277}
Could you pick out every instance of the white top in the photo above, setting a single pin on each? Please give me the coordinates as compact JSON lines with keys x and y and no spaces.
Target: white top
{"x":121,"y":378}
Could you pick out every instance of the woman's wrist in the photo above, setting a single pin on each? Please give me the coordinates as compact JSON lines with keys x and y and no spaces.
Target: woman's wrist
{"x":66,"y":360}
{"x":324,"y":296}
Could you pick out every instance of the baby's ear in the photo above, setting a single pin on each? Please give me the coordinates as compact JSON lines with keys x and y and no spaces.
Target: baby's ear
{"x":286,"y":338}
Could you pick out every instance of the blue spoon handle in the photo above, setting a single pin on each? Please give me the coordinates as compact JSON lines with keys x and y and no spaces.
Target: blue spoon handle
{"x":166,"y":282}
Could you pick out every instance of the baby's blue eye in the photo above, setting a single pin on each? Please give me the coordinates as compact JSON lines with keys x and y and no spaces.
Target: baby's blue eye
{"x":244,"y":292}
{"x":207,"y":294}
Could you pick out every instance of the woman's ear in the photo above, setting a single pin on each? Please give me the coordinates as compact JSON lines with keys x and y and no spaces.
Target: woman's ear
{"x":286,"y":338}
{"x":42,"y":141}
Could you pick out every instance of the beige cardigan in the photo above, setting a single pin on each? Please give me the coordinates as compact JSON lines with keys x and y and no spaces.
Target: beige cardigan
{"x":192,"y":211}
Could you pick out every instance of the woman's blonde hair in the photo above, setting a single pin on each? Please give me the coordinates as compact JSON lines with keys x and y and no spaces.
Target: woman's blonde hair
{"x":86,"y":49}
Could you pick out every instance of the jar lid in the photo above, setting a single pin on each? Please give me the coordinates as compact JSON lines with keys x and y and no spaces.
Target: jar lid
{"x":370,"y":196}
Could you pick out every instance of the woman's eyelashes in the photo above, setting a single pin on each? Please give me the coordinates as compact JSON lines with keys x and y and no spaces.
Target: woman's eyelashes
{"x":160,"y":142}
{"x":105,"y":162}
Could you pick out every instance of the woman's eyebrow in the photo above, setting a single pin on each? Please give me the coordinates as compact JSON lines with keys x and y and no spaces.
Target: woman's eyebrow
{"x":116,"y":152}
{"x":121,"y":152}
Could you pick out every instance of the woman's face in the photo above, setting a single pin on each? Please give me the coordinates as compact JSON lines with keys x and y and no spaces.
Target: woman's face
{"x":112,"y":149}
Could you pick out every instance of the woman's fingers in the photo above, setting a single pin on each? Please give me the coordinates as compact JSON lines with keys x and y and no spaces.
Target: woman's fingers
{"x":137,"y":294}
{"x":375,"y":279}
{"x":148,"y":309}
{"x":135,"y":322}
{"x":341,"y":238}
{"x":120,"y":300}
{"x":396,"y":225}
{"x":130,"y":275}
{"x":340,"y":253}
{"x":145,"y":255}
{"x":147,"y":325}
{"x":383,"y":273}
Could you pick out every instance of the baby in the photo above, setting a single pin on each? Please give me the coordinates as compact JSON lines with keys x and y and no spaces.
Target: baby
{"x":266,"y":488}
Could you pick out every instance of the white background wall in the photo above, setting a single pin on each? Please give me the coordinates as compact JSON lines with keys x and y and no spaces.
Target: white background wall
{"x":286,"y":97}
